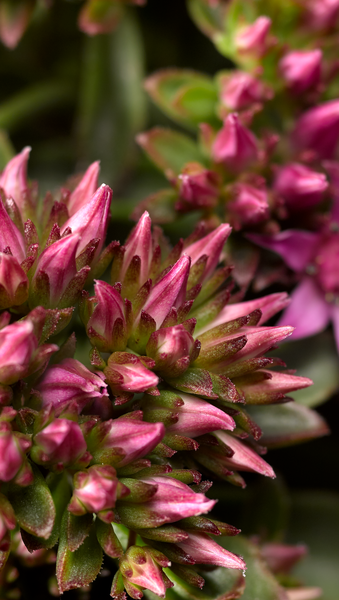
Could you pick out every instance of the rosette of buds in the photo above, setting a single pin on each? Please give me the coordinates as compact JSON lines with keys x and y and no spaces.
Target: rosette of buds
{"x":111,"y":460}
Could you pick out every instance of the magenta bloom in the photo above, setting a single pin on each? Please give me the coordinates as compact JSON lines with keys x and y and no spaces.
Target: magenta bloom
{"x":318,"y":130}
{"x":139,"y":246}
{"x":198,"y":188}
{"x":175,"y":500}
{"x":95,"y":490}
{"x":235,"y":146}
{"x":315,"y":257}
{"x":84,"y":190}
{"x":210,"y":245}
{"x":249,"y":207}
{"x":202,"y":549}
{"x":12,"y":452}
{"x":106,"y":327}
{"x":301,"y":69}
{"x":10,"y":236}
{"x":197,"y":417}
{"x":61,"y":443}
{"x":240,"y":90}
{"x":254,"y":37}
{"x":300,"y":186}
{"x":70,"y":380}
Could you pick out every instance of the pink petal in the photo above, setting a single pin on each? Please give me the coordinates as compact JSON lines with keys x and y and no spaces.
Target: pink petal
{"x":295,"y":246}
{"x":308,"y":312}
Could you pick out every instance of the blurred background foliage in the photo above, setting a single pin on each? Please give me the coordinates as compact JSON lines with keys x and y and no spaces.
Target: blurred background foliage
{"x":75,"y":99}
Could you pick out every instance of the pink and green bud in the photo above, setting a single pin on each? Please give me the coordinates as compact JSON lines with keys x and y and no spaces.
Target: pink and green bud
{"x":59,"y":445}
{"x":124,"y":440}
{"x":13,"y":282}
{"x":235,"y":146}
{"x":90,"y":222}
{"x":254,"y":39}
{"x":126,"y":373}
{"x":175,"y":500}
{"x":106,"y":327}
{"x":85,"y":189}
{"x":13,"y":180}
{"x":299,"y":186}
{"x":198,"y":188}
{"x":211,"y":246}
{"x":138,"y":252}
{"x":55,"y":273}
{"x":243,"y":457}
{"x":249,"y":207}
{"x":13,"y":447}
{"x":141,"y":568}
{"x":240,"y":90}
{"x":172,"y":348}
{"x":318,"y":130}
{"x":202,"y":549}
{"x":169,"y":292}
{"x":10,"y":236}
{"x":301,"y":69}
{"x":266,"y":387}
{"x":7,"y":522}
{"x":70,"y":381}
{"x":96,"y":490}
{"x":198,"y":417}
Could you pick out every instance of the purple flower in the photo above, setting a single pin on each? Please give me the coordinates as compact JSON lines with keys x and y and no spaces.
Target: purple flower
{"x":301,"y":69}
{"x":249,"y":207}
{"x":240,"y":90}
{"x":70,"y":381}
{"x":314,"y":256}
{"x":318,"y":130}
{"x":235,"y":146}
{"x":300,"y":186}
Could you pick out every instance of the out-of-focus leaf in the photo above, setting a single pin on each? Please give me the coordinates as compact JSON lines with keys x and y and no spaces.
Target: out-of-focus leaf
{"x":315,"y":522}
{"x":33,"y":506}
{"x":285,"y":424}
{"x":169,"y":150}
{"x":6,"y":149}
{"x":79,"y":568}
{"x":111,"y":99}
{"x":160,"y":206}
{"x":186,"y":96}
{"x":317,"y":359}
{"x":207,"y":17}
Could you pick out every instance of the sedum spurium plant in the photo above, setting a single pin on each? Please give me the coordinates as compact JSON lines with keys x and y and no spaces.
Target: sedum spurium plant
{"x":265,"y":153}
{"x":113,"y":460}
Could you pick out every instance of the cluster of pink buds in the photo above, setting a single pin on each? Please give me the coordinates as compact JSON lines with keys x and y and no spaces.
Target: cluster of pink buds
{"x":114,"y":455}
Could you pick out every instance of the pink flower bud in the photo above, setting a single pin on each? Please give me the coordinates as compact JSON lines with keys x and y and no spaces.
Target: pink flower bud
{"x":13,"y":179}
{"x":84,"y":190}
{"x":204,"y":550}
{"x":243,"y":458}
{"x":175,"y":500}
{"x":282,"y":557}
{"x":13,"y":282}
{"x":7,"y":520}
{"x":301,"y":69}
{"x":61,"y":443}
{"x":318,"y":130}
{"x":197,"y":417}
{"x":322,"y":14}
{"x":70,"y":381}
{"x":270,"y":386}
{"x":249,"y":207}
{"x":10,"y":236}
{"x":126,"y":373}
{"x":235,"y":146}
{"x":198,"y":188}
{"x":91,"y":220}
{"x":17,"y":346}
{"x":107,"y":325}
{"x":133,"y":437}
{"x":240,"y":90}
{"x":169,"y":345}
{"x":211,"y":245}
{"x":139,"y":244}
{"x":58,"y":263}
{"x":254,"y":38}
{"x":96,"y":489}
{"x":169,"y":291}
{"x":299,"y":186}
{"x":12,"y":449}
{"x":140,"y":568}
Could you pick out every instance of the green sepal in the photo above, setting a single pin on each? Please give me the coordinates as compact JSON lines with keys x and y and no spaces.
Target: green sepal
{"x":108,"y":540}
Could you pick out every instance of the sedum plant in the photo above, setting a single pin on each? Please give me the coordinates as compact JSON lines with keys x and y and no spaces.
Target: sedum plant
{"x":116,"y":458}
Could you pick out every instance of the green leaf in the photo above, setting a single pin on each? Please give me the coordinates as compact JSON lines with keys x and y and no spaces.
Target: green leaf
{"x":285,"y":424}
{"x":315,"y":522}
{"x":33,"y":506}
{"x":208,"y":18}
{"x":169,"y":150}
{"x":185,"y":96}
{"x":79,"y":568}
{"x":78,"y":529}
{"x":317,"y":359}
